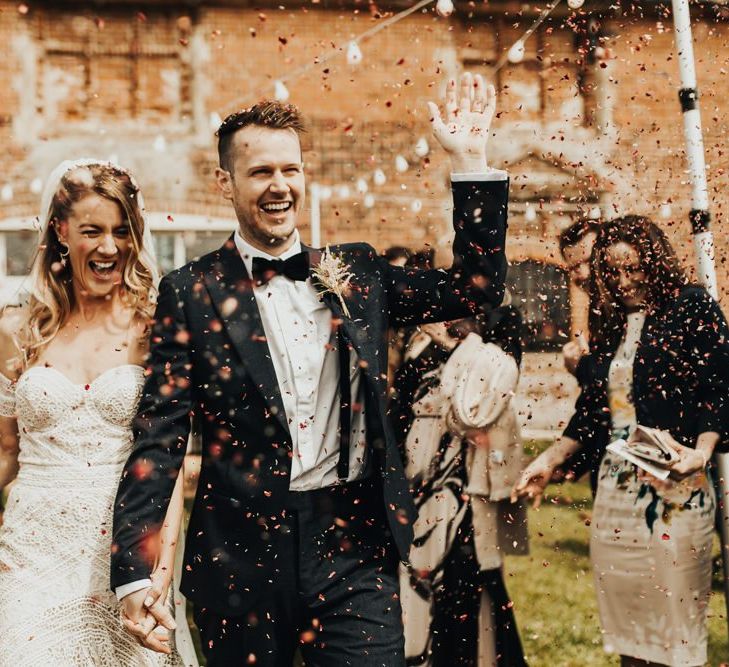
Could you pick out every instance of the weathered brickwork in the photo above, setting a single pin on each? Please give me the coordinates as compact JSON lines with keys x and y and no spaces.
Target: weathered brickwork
{"x":578,"y":127}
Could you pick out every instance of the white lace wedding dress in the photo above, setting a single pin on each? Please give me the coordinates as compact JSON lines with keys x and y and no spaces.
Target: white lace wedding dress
{"x":55,"y":604}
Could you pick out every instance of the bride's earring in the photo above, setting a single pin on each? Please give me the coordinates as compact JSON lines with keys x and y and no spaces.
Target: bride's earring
{"x":64,"y":255}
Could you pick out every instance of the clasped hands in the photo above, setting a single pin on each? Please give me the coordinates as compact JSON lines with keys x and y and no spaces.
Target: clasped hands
{"x":146,"y":616}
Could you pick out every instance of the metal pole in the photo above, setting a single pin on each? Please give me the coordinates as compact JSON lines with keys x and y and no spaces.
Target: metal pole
{"x":700,"y":218}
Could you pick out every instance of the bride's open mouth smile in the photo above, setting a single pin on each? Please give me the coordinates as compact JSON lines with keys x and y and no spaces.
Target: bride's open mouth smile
{"x":103,"y":270}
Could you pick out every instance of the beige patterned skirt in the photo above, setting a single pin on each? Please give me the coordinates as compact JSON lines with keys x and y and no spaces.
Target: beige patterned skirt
{"x":650,"y":547}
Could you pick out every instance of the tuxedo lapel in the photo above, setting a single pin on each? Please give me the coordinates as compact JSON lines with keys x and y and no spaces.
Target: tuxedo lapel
{"x":231,"y":291}
{"x":353,"y":325}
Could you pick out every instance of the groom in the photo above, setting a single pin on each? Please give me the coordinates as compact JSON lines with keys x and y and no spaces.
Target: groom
{"x":279,"y":352}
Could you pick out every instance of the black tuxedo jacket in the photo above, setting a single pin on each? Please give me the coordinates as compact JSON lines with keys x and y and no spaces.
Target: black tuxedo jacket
{"x":210,"y":361}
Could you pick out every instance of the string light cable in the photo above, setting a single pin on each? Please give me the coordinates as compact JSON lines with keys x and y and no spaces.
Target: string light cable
{"x":354,"y":55}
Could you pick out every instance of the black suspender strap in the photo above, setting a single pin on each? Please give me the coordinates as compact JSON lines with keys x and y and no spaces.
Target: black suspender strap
{"x":345,"y":407}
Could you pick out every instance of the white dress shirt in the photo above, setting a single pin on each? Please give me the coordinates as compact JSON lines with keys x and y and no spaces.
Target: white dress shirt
{"x":298,"y":328}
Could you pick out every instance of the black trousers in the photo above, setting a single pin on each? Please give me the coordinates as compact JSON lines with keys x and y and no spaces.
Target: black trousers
{"x":455,"y":626}
{"x":341,"y":606}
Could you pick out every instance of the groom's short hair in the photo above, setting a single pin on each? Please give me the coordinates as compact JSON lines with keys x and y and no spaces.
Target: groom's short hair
{"x":267,"y":113}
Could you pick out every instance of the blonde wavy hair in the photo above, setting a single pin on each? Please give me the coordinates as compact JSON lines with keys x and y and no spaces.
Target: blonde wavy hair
{"x":52,"y":298}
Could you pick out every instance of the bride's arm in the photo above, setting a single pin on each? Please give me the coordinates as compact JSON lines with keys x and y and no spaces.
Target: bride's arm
{"x":8,"y":451}
{"x":8,"y":424}
{"x":168,"y":537}
{"x":170,"y":532}
{"x":8,"y":456}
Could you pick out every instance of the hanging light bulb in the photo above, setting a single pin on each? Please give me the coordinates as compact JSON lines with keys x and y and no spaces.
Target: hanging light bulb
{"x":530,"y":215}
{"x":215,"y":120}
{"x":354,"y":53}
{"x":516,"y":52}
{"x":6,"y":193}
{"x":666,"y":211}
{"x":422,"y":148}
{"x":36,"y":185}
{"x":369,"y":200}
{"x":575,"y":4}
{"x":416,"y":205}
{"x":361,"y":186}
{"x":444,"y":8}
{"x":280,"y":91}
{"x":379,"y":178}
{"x":343,"y":192}
{"x":325,"y":193}
{"x":160,"y":143}
{"x":401,"y":164}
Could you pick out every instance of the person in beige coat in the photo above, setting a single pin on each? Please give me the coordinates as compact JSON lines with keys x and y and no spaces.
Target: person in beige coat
{"x":463,"y":453}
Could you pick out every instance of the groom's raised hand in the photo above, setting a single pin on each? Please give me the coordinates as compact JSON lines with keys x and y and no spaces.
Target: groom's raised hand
{"x":469,"y":109}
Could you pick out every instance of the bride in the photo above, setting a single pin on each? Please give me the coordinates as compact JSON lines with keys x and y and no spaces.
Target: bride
{"x":70,"y":377}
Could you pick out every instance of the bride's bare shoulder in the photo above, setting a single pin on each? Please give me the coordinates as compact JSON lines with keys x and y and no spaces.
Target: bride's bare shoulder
{"x":12,"y":318}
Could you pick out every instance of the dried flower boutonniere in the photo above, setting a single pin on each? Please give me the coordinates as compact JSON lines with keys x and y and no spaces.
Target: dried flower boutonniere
{"x":334,"y":276}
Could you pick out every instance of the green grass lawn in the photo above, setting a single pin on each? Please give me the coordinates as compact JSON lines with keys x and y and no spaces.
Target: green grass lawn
{"x":553,"y":593}
{"x":554,"y":598}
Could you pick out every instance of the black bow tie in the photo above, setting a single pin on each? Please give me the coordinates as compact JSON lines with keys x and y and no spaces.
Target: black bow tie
{"x":295,"y":267}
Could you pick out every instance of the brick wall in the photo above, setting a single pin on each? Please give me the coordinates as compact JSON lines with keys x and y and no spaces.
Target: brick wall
{"x":109,"y":79}
{"x":113,"y":79}
{"x":650,"y":149}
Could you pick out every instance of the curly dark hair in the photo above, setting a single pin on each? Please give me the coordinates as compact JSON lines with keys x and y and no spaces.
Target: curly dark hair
{"x":664,"y":276}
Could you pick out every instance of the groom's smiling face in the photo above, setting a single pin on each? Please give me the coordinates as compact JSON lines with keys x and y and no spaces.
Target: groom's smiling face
{"x":265,"y":185}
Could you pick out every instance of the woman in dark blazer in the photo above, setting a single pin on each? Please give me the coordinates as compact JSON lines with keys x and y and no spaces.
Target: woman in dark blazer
{"x":661,"y":359}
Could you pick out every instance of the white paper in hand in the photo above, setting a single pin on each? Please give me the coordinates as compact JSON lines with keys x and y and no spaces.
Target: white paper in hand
{"x":620,"y":447}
